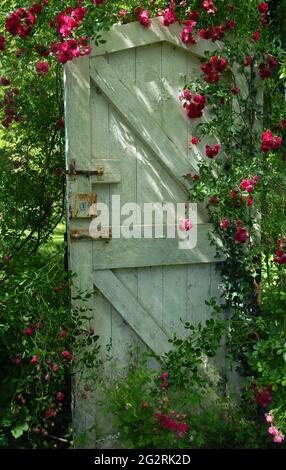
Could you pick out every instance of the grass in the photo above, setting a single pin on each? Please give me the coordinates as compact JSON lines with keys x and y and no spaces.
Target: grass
{"x":56,"y":241}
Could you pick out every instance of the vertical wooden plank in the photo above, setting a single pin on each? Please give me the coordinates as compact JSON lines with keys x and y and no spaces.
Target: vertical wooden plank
{"x":196,"y":152}
{"x":174,"y":71}
{"x":215,"y":282}
{"x":78,"y":128}
{"x":174,"y":298}
{"x":123,"y":147}
{"x":198,"y":291}
{"x":150,"y":291}
{"x":149,"y":186}
{"x":148,"y":92}
{"x":78,"y":135}
{"x":87,"y":119}
{"x":121,"y":140}
{"x":100,"y":137}
{"x":174,"y":68}
{"x":148,"y":79}
{"x":154,"y":182}
{"x":99,"y":118}
{"x":80,"y":263}
{"x":124,"y":339}
{"x":77,"y":102}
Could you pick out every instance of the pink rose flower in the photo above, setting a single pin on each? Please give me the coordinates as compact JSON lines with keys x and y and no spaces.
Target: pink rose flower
{"x":186,"y":225}
{"x":144,"y":18}
{"x":224,"y":224}
{"x":279,"y":438}
{"x":268,"y":418}
{"x":273,"y":431}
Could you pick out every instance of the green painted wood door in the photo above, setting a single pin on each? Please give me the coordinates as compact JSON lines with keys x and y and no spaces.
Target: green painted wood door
{"x":123,"y":115}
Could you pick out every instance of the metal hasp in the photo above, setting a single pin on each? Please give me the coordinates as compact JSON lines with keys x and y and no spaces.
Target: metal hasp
{"x":83,"y":206}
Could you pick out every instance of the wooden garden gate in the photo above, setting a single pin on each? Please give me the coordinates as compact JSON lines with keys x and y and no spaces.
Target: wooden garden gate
{"x":128,"y":135}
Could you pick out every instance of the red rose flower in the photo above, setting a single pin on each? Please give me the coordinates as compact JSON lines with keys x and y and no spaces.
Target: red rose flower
{"x":17,"y":360}
{"x":270,"y":142}
{"x":212,"y":152}
{"x":60,"y":123}
{"x":194,"y":15}
{"x":280,"y":257}
{"x":213,"y":32}
{"x":262,"y":7}
{"x":214,"y":68}
{"x":256,"y":36}
{"x":224,"y":224}
{"x":28,"y":331}
{"x":209,"y":6}
{"x":241,"y":235}
{"x":186,"y":35}
{"x":169,"y":15}
{"x":4,"y":81}
{"x":195,"y":106}
{"x":20,"y":22}
{"x":50,"y":413}
{"x":60,"y":396}
{"x":263,"y":398}
{"x":213,"y":200}
{"x":42,"y":68}
{"x":249,"y":201}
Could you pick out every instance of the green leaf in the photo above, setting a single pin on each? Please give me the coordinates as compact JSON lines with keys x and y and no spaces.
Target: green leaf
{"x":19,"y":430}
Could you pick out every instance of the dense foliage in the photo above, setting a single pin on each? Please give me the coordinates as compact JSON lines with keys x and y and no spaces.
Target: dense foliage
{"x":241,"y":178}
{"x":154,"y":410}
{"x":37,"y":350}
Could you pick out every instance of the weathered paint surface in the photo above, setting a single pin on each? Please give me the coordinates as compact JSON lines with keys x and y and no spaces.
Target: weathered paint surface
{"x":123,"y":112}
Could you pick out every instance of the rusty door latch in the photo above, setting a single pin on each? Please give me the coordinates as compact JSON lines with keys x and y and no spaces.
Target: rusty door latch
{"x":73,"y":171}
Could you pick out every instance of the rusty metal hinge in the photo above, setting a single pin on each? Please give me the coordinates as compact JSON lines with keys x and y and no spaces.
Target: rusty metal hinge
{"x":81,"y":234}
{"x":73,"y":171}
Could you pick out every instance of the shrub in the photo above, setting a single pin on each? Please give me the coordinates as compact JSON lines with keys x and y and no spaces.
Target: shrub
{"x":38,"y":351}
